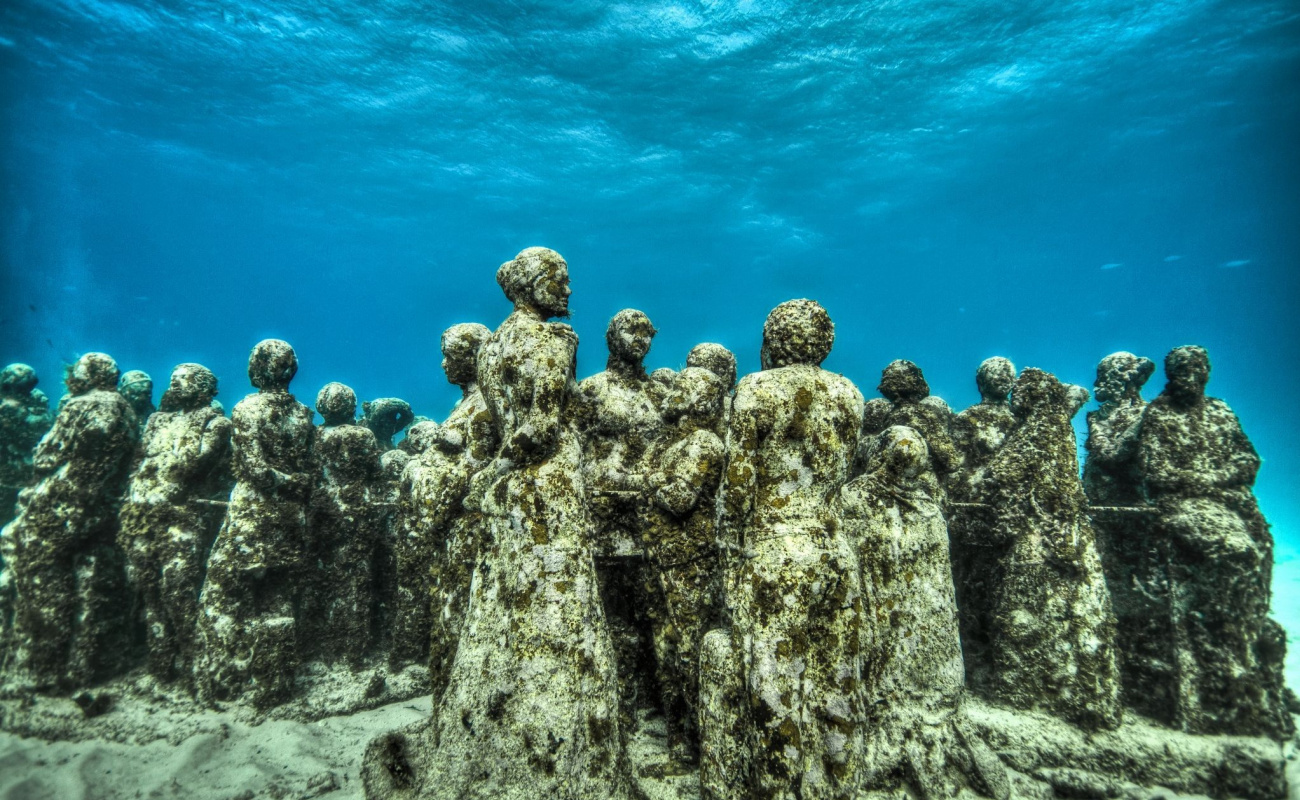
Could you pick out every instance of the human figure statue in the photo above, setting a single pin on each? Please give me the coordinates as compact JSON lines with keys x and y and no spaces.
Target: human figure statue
{"x":680,"y":546}
{"x":248,"y":623}
{"x":904,"y":386}
{"x":418,"y":437}
{"x":1197,"y":468}
{"x":345,"y":520}
{"x":978,"y":435}
{"x":24,"y":418}
{"x":1131,"y":555}
{"x":531,"y":704}
{"x":716,"y":359}
{"x":618,"y":411}
{"x":793,"y":589}
{"x":913,"y":674}
{"x":386,"y":417}
{"x":1051,"y":628}
{"x":436,"y":535}
{"x":174,"y":505}
{"x":69,"y":575}
{"x":137,"y":387}
{"x":1078,"y":397}
{"x":875,"y":418}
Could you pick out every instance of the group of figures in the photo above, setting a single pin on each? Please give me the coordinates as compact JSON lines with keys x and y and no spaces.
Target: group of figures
{"x":804,"y":584}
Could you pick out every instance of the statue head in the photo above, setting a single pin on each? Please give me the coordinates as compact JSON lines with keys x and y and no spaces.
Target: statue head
{"x":716,"y":359}
{"x":386,"y":416}
{"x":1076,"y":397}
{"x":901,"y":453}
{"x":797,"y":332}
{"x":90,"y":372}
{"x":628,"y":336}
{"x":537,"y":278}
{"x":17,"y":380}
{"x":1187,"y":370}
{"x":903,"y":382}
{"x":697,"y":394}
{"x":272,"y":365}
{"x":1036,"y":391}
{"x":191,"y":386}
{"x":137,"y":387}
{"x":460,"y":346}
{"x":994,"y":379}
{"x":875,"y":415}
{"x":1121,"y":376}
{"x":337,"y":404}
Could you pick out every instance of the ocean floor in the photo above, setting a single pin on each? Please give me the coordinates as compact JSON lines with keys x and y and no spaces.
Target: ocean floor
{"x":149,"y":745}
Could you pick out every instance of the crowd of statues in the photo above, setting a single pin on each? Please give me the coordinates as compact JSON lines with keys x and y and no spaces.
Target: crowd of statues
{"x":804,"y":584}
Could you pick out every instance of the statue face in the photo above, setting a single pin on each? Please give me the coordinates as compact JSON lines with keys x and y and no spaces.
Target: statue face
{"x":551,"y":291}
{"x":630,"y":338}
{"x":186,"y":388}
{"x":459,"y":365}
{"x":995,"y":378}
{"x":1188,"y":377}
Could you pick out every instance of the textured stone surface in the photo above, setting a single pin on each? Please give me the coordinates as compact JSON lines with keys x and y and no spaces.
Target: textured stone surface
{"x":913,"y":675}
{"x":174,"y":505}
{"x":386,"y":417}
{"x":1198,"y":468}
{"x":69,"y":574}
{"x":137,"y":387}
{"x":1051,"y":627}
{"x":905,"y":387}
{"x":248,"y":620}
{"x":24,"y":418}
{"x":792,"y":586}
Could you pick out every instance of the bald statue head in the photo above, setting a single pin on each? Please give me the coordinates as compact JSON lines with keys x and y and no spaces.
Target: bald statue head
{"x":337,"y":404}
{"x":994,"y":379}
{"x":797,"y":332}
{"x":716,"y":359}
{"x":92,"y":371}
{"x":272,"y":365}
{"x":1121,"y":376}
{"x":903,"y":382}
{"x":628,"y":336}
{"x":1187,"y":371}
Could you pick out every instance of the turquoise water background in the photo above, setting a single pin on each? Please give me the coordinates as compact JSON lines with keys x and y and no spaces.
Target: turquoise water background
{"x":1048,"y":181}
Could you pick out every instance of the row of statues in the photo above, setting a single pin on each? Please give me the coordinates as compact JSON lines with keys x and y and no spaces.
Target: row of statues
{"x":803,"y":583}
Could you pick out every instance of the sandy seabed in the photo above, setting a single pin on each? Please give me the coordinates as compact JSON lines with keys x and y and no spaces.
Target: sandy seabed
{"x":209,"y":755}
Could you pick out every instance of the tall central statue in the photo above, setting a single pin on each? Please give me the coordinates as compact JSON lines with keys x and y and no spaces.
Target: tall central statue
{"x":531,"y":704}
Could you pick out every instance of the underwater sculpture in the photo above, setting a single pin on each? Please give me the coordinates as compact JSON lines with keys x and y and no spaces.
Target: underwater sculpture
{"x":1131,"y":555}
{"x":345,"y":519}
{"x":913,"y":674}
{"x":904,"y":386}
{"x":680,"y":546}
{"x":978,"y":434}
{"x":248,"y":623}
{"x":137,"y":387}
{"x":716,"y":359}
{"x":618,"y":414}
{"x":174,"y":506}
{"x":436,"y":536}
{"x":386,"y":417}
{"x":1051,"y":628}
{"x":1198,"y":468}
{"x":793,"y":591}
{"x":24,"y":418}
{"x":69,"y":628}
{"x":531,"y":703}
{"x":418,"y":437}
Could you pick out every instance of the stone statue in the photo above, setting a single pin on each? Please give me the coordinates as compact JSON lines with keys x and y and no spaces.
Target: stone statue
{"x":875,"y":418}
{"x":69,"y":575}
{"x":248,"y":624}
{"x":386,"y":417}
{"x":913,"y":674}
{"x":978,"y":434}
{"x":680,"y":546}
{"x":1051,"y":629}
{"x":418,"y":437}
{"x":716,"y":359}
{"x":436,"y":536}
{"x":618,"y":411}
{"x":1132,"y":556}
{"x":1198,"y":467}
{"x":904,"y":386}
{"x":531,"y":704}
{"x":346,"y":521}
{"x":174,"y":505}
{"x":792,"y":587}
{"x":137,"y":387}
{"x":24,"y":418}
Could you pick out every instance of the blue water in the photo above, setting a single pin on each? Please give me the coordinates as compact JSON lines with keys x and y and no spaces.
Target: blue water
{"x":1048,"y":181}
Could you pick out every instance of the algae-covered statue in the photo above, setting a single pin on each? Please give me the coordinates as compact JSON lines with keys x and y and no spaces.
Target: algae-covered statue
{"x":1133,"y":559}
{"x":716,"y":359}
{"x":531,"y":703}
{"x":978,"y":434}
{"x":386,"y":417}
{"x":1198,"y":467}
{"x":436,"y":536}
{"x":681,"y":551}
{"x":913,"y":674}
{"x":248,"y":623}
{"x":174,"y":506}
{"x":1051,"y":627}
{"x":793,"y":590}
{"x":904,"y":386}
{"x":346,"y":516}
{"x":24,"y":418}
{"x":137,"y":387}
{"x":69,"y":574}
